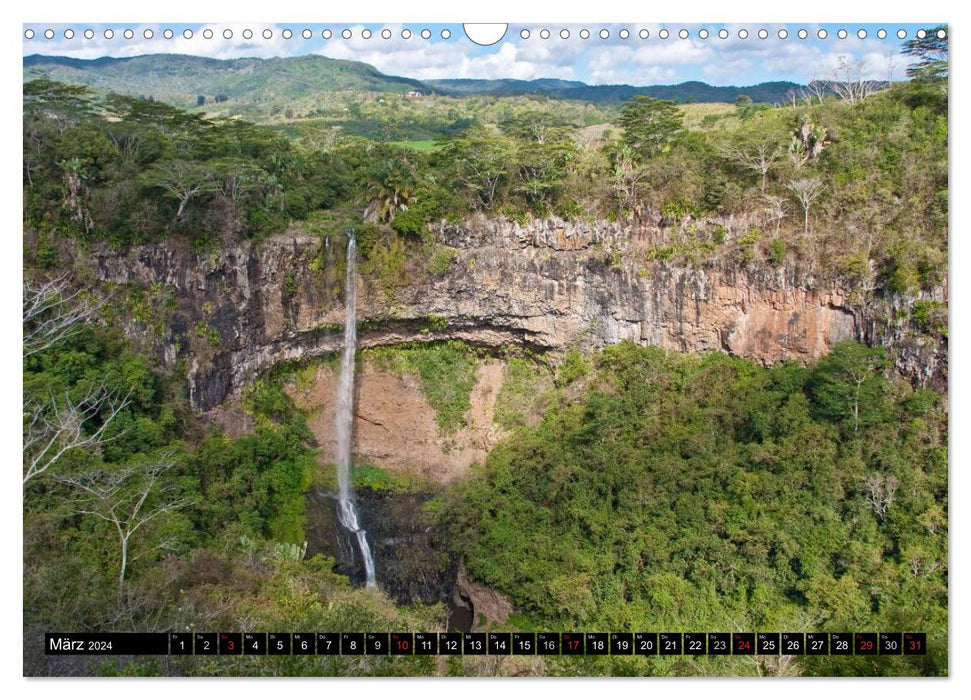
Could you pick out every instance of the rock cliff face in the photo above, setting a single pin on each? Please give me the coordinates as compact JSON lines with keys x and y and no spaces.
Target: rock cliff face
{"x":394,"y":425}
{"x":548,"y":285}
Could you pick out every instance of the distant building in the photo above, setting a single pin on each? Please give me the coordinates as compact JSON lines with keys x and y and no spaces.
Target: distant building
{"x":413,"y":93}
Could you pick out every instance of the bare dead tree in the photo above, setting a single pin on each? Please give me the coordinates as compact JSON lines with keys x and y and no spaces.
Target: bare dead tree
{"x":627,"y":179}
{"x":119,"y":497}
{"x":759,"y":158}
{"x":881,"y":491}
{"x":775,"y":209}
{"x":53,"y":313}
{"x":813,"y":93}
{"x":56,"y":425}
{"x":54,"y":428}
{"x":849,"y":83}
{"x":807,"y":190}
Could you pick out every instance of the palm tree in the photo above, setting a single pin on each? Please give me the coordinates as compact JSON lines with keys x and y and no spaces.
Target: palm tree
{"x":390,"y":191}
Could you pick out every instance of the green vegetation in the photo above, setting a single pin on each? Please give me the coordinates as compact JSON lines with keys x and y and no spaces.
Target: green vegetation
{"x":211,"y":526}
{"x":931,"y":317}
{"x":255,"y":484}
{"x":302,"y":86}
{"x":650,"y":125}
{"x":573,"y":368}
{"x":370,"y":477}
{"x":270,"y":588}
{"x":854,"y":190}
{"x":660,"y":491}
{"x":521,"y":399}
{"x":130,"y":170}
{"x":427,"y":145}
{"x":931,"y":53}
{"x":441,"y":260}
{"x":685,"y":493}
{"x":434,"y":323}
{"x":181,"y":80}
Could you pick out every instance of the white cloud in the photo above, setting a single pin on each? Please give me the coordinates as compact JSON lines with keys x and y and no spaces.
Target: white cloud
{"x":427,"y":60}
{"x":634,"y":60}
{"x":238,"y":46}
{"x":198,"y":45}
{"x":97,"y":46}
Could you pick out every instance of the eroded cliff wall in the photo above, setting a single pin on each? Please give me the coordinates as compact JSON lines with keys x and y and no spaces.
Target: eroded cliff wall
{"x":235,"y":313}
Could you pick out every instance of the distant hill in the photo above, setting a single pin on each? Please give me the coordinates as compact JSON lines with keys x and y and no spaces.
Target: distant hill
{"x":503,"y":86}
{"x":692,"y":91}
{"x":180,"y":79}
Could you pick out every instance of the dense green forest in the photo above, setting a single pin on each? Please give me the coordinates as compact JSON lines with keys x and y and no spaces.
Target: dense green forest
{"x":168,"y":525}
{"x":655,"y":490}
{"x":671,"y":491}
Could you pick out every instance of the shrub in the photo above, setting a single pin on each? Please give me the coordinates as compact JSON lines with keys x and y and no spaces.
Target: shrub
{"x":441,"y":260}
{"x":523,"y":387}
{"x":574,"y":366}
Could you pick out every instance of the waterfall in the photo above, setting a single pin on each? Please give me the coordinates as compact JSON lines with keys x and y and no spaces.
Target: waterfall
{"x":346,"y":510}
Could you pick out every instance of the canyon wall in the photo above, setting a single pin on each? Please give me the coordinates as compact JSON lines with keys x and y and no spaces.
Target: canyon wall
{"x":237,"y":312}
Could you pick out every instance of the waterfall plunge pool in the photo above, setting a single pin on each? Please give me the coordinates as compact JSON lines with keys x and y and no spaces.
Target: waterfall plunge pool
{"x":411,"y":561}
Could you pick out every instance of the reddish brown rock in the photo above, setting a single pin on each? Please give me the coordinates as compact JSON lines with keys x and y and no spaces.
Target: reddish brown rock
{"x":395,"y":427}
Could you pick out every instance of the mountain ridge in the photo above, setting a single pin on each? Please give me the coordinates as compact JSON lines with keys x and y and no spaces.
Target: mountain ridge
{"x":257,"y":79}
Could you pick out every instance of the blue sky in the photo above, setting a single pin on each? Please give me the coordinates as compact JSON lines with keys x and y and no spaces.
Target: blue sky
{"x":642,"y":57}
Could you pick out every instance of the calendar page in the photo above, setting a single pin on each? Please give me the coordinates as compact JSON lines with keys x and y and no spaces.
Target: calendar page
{"x":537,"y":350}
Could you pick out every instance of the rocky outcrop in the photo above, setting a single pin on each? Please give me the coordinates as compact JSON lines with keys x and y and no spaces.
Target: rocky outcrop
{"x":488,"y":607}
{"x":548,"y":285}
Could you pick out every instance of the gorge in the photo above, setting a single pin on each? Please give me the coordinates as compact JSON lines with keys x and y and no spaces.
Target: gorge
{"x":612,"y":365}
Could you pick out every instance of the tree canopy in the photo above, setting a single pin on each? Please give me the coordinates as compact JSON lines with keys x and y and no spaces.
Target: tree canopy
{"x":650,"y":125}
{"x":931,"y":54}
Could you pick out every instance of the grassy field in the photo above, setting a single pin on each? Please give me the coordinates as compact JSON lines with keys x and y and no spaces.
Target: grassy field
{"x":425,"y":146}
{"x":694,"y":113}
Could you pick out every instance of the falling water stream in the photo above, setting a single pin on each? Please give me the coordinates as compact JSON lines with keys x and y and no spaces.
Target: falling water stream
{"x":346,"y":508}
